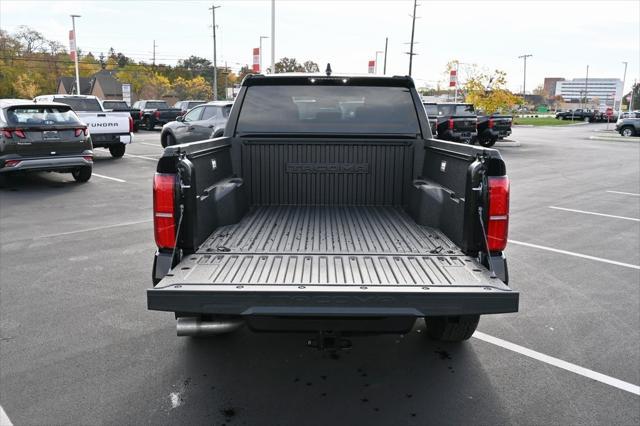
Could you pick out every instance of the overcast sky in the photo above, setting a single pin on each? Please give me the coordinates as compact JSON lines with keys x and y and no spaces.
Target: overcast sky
{"x":563,"y":36}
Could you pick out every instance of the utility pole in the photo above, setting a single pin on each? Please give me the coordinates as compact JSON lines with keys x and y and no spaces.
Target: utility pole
{"x":386,"y":44}
{"x":624,"y":80}
{"x":260,"y":60}
{"x":375,"y":71}
{"x":524,"y":81}
{"x":455,"y":90}
{"x":154,"y":53}
{"x":586,"y":88}
{"x":273,"y":36}
{"x":413,"y":29}
{"x":75,"y":45}
{"x":215,"y":65}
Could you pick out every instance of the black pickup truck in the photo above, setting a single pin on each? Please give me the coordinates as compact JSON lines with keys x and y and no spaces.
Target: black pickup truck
{"x":577,"y":114}
{"x":155,"y":113}
{"x":493,"y":127}
{"x":457,"y":122}
{"x":122,"y":106}
{"x":315,"y":217}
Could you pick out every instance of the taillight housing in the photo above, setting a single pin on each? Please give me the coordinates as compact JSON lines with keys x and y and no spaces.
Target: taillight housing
{"x":498,"y":221}
{"x":140,"y":114}
{"x":491,"y":123}
{"x":8,"y":133}
{"x":164,"y":222}
{"x":157,"y":114}
{"x":451,"y":124}
{"x":12,"y":163}
{"x":77,"y":132}
{"x":130,"y":124}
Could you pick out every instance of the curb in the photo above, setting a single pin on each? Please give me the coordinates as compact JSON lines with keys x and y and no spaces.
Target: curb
{"x":613,"y":138}
{"x":507,"y":144}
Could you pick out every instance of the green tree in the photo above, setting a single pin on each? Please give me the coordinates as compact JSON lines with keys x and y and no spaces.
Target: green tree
{"x":26,"y":87}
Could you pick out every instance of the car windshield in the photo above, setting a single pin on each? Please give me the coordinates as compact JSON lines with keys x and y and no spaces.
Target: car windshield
{"x":328,"y":110}
{"x":157,"y":105}
{"x":36,"y":115}
{"x":444,"y":109}
{"x":431,"y":109}
{"x":81,"y":104}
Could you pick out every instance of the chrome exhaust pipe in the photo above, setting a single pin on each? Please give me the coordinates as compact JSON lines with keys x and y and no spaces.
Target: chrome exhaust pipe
{"x":192,"y":326}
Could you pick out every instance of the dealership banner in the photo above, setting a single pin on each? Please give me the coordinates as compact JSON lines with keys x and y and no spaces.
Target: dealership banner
{"x":256,"y":59}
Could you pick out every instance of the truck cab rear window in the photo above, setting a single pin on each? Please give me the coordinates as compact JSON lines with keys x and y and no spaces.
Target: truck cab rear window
{"x":328,"y":110}
{"x":81,"y":104}
{"x":41,"y":115}
{"x":448,"y":110}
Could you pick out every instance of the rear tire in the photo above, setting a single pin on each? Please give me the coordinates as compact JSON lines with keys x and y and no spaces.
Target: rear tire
{"x":627,"y":131}
{"x":587,"y":120}
{"x":117,"y":151}
{"x":82,"y":174}
{"x":451,"y":329}
{"x":148,"y":124}
{"x":488,"y":142}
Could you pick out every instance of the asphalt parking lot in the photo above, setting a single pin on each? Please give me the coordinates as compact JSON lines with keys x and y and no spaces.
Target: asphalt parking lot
{"x":78,"y":346}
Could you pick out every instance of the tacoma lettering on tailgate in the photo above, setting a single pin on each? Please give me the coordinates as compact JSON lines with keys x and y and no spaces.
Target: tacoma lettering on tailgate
{"x":361,"y":168}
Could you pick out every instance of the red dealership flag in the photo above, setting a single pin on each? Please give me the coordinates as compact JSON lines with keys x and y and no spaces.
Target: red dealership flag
{"x":453,"y":78}
{"x":72,"y":45}
{"x":372,"y":67}
{"x":256,"y":59}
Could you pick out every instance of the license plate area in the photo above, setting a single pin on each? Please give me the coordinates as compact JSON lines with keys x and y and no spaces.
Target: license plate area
{"x":49,"y":135}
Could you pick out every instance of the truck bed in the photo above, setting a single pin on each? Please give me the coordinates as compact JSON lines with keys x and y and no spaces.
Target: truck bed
{"x":328,"y":245}
{"x":370,"y":255}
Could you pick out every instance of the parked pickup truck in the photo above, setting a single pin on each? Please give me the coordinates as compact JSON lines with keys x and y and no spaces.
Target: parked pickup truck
{"x":309,"y":216}
{"x":457,"y":122}
{"x":122,"y":106}
{"x":493,"y":127}
{"x":155,"y":113}
{"x":112,"y":130}
{"x":578,"y":114}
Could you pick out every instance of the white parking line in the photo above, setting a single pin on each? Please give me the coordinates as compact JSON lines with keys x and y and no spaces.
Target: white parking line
{"x":98,"y":228}
{"x":595,"y":214}
{"x":624,"y":193}
{"x":585,"y":372}
{"x":151,"y":144}
{"x":108,"y":177}
{"x":570,"y":253}
{"x":4,"y":419}
{"x":143,"y":157}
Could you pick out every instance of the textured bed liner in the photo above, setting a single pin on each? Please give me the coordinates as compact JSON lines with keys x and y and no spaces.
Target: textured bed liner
{"x":328,"y":246}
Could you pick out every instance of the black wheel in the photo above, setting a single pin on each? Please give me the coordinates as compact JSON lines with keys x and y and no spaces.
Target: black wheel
{"x":218,"y":133}
{"x":627,"y":131}
{"x":488,"y":142}
{"x":82,"y":174}
{"x":117,"y":151}
{"x":136,"y":126}
{"x":168,"y":140}
{"x":587,"y":119}
{"x":148,"y":124}
{"x":451,"y":329}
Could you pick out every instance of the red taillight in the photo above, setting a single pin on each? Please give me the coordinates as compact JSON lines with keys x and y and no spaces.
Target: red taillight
{"x":163,"y":210}
{"x":8,"y":133}
{"x":80,"y":131}
{"x":491,"y":123}
{"x":157,"y":114}
{"x":12,"y":163}
{"x":140,"y":114}
{"x":498,"y":224}
{"x":130,"y":124}
{"x":451,"y":124}
{"x":88,"y":158}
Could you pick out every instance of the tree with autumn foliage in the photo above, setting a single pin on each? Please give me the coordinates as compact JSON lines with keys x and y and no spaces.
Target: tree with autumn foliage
{"x":488,"y":92}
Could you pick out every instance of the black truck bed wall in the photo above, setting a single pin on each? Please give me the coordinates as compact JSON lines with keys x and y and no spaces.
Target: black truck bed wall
{"x":432,"y":180}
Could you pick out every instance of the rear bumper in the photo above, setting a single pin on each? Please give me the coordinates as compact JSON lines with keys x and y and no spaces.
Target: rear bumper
{"x":331,"y":301}
{"x":495,"y":133}
{"x":458,"y":136}
{"x":107,"y":140}
{"x":47,"y":163}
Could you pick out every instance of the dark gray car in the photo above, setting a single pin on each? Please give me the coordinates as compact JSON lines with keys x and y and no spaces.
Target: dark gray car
{"x":202,"y":122}
{"x":43,"y":137}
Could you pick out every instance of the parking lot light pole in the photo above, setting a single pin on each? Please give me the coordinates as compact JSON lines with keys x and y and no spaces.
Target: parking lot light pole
{"x":376,"y":67}
{"x":215,"y":67}
{"x":624,"y":80}
{"x":75,"y":41}
{"x":260,"y":52}
{"x":273,"y":36}
{"x":386,"y":44}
